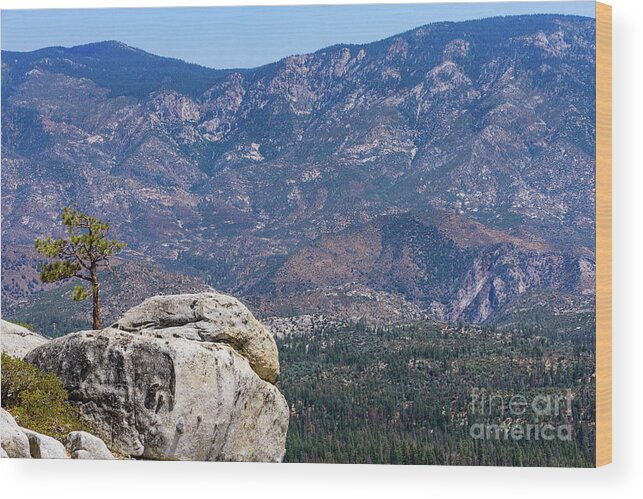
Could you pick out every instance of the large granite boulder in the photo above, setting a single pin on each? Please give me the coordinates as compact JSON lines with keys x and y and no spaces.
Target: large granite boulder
{"x":18,"y":341}
{"x":44,"y":447}
{"x":12,"y":439}
{"x":209,"y":317}
{"x":178,"y":377}
{"x":83,"y":445}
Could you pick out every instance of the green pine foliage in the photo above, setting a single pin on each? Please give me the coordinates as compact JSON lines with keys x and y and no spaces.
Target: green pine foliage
{"x":403,"y":395}
{"x":87,"y":242}
{"x":85,"y":250}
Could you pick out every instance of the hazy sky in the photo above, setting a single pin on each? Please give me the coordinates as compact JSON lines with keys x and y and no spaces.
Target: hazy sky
{"x":225,"y":37}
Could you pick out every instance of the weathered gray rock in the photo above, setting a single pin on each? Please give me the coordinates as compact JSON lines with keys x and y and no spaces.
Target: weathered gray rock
{"x":173,"y":381}
{"x":210,"y":317}
{"x":83,"y":445}
{"x":44,"y":447}
{"x":3,"y":453}
{"x":18,"y":341}
{"x":13,"y":441}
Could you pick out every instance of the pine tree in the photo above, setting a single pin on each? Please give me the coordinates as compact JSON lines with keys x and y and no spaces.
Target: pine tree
{"x":81,"y":254}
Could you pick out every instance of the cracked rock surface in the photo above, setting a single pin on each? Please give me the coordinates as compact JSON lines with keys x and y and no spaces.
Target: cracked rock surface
{"x":207,"y":317}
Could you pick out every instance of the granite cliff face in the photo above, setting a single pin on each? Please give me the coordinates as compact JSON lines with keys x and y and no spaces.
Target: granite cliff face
{"x":481,"y":131}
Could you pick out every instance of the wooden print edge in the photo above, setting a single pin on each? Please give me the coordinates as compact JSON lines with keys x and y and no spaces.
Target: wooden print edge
{"x":603,"y":234}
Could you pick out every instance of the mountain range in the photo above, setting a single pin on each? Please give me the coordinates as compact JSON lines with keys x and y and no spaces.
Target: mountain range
{"x":444,"y":172}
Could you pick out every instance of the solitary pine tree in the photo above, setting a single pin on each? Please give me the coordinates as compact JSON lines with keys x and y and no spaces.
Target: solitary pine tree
{"x":85,"y":249}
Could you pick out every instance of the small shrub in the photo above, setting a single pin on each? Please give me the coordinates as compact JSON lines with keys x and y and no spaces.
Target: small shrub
{"x":37,"y":399}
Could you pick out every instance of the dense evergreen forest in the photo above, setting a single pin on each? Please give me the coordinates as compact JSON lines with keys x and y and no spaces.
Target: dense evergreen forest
{"x":404,"y":395}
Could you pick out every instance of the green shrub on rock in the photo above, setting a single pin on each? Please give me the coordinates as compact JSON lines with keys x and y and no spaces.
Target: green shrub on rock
{"x":37,"y":399}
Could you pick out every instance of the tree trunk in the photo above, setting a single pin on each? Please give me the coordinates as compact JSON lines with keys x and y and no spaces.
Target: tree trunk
{"x":95,"y":299}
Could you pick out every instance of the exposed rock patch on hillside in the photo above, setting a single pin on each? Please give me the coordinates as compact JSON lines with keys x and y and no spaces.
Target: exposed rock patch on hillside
{"x":300,"y":325}
{"x":351,"y":303}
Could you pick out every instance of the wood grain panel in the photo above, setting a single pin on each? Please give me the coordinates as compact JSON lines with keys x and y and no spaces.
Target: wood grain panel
{"x":603,"y":234}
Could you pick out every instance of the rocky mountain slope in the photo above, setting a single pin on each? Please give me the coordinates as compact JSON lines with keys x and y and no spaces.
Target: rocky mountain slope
{"x":246,"y":177}
{"x":454,"y":272}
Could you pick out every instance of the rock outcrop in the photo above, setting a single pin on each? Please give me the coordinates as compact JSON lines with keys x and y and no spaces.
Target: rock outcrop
{"x":44,"y":447}
{"x":186,"y":377}
{"x":18,"y":341}
{"x":83,"y":445}
{"x":210,"y":317}
{"x":20,"y":442}
{"x":13,"y":440}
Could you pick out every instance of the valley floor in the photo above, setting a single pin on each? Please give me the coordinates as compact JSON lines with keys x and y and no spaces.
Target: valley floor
{"x":431,"y":394}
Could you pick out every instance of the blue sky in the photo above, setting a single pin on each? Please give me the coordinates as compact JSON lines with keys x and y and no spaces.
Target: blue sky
{"x":225,"y":37}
